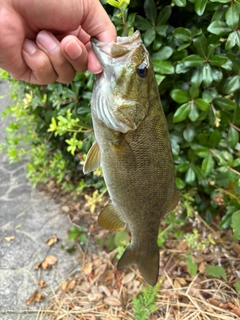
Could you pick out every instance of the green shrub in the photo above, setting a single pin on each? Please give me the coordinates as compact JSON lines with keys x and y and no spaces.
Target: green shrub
{"x":194,"y":45}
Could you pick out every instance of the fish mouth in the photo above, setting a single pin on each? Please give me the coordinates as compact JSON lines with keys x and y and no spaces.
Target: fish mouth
{"x":106,"y":51}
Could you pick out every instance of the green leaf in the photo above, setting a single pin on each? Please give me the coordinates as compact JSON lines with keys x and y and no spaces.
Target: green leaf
{"x":190,"y":176}
{"x":189,"y":133}
{"x":221,"y":1}
{"x":182,"y":112}
{"x":182,"y":34}
{"x":149,"y":36}
{"x":214,"y":139}
{"x":179,"y":96}
{"x":161,"y":30}
{"x":200,"y":150}
{"x":207,"y":75}
{"x":181,"y":68}
{"x":233,"y":84}
{"x":193,"y":61}
{"x":237,"y":286}
{"x":142,"y":24}
{"x":196,"y":79}
{"x":222,"y":180}
{"x":194,"y":92}
{"x":163,"y":54}
{"x":120,"y":237}
{"x":215,"y":271}
{"x":183,"y":167}
{"x":233,"y":39}
{"x":218,"y":61}
{"x":193,"y":114}
{"x":233,"y":137}
{"x":191,"y":265}
{"x":207,"y":164}
{"x":219,"y":27}
{"x":164,"y":15}
{"x":199,"y":173}
{"x":225,"y":104}
{"x":180,"y":183}
{"x":150,"y":10}
{"x":163,"y":67}
{"x":232,"y":16}
{"x":217,"y":74}
{"x":200,"y":6}
{"x":180,"y":3}
{"x":201,"y":46}
{"x":201,"y":104}
{"x":236,"y":225}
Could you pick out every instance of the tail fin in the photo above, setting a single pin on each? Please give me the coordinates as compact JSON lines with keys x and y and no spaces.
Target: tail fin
{"x":146,"y":261}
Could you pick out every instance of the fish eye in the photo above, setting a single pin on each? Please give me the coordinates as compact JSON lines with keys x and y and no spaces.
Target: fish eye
{"x":142,"y":70}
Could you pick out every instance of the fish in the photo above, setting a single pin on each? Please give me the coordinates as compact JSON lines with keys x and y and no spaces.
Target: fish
{"x":132,"y":146}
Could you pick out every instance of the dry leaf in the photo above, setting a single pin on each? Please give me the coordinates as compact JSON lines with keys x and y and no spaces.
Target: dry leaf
{"x":112,"y":301}
{"x":202,"y":267}
{"x":182,"y":281}
{"x":51,"y":260}
{"x":182,"y":246}
{"x":105,"y":290}
{"x":9,"y":239}
{"x":64,"y":286}
{"x":176,"y":284}
{"x":71,"y":284}
{"x":38,"y":265}
{"x":42,"y":283}
{"x":128,"y":277}
{"x":96,"y":296}
{"x":234,"y":308}
{"x":35,"y":297}
{"x":65,"y":209}
{"x":51,"y":240}
{"x":32,"y":298}
{"x":39,"y":297}
{"x":87,"y":268}
{"x":236,"y":248}
{"x":47,"y":263}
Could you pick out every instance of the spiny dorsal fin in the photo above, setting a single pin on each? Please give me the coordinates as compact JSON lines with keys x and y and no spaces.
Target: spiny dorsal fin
{"x":93,"y":159}
{"x":110,"y":219}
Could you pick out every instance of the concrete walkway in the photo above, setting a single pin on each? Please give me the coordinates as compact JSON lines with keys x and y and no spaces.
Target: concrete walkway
{"x":27,"y":219}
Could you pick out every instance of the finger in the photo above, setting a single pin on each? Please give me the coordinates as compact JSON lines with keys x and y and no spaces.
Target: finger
{"x":75,"y":52}
{"x":51,"y":46}
{"x":40,"y":70}
{"x":93,"y":63}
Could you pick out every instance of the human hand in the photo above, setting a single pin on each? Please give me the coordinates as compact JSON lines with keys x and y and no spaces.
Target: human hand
{"x":46,"y":41}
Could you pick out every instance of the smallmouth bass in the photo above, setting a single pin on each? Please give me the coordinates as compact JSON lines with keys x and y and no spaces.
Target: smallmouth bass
{"x":133,"y":147}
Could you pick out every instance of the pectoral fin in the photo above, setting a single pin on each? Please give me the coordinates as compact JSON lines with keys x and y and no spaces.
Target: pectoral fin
{"x":109,"y":218}
{"x":93,"y":159}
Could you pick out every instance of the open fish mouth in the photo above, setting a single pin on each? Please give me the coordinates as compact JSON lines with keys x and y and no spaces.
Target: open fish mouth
{"x":118,"y":49}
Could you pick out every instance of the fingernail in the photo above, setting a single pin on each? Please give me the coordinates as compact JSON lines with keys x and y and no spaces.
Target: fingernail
{"x":73,"y":49}
{"x":29,"y":47}
{"x":46,"y":41}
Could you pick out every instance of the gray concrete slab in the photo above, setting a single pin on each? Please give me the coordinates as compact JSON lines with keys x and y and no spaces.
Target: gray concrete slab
{"x":30,"y":218}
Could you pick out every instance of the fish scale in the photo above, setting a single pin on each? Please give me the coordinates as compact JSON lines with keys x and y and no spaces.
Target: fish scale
{"x":133,"y":147}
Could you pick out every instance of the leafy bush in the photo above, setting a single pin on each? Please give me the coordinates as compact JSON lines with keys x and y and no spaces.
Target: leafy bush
{"x":194,"y":45}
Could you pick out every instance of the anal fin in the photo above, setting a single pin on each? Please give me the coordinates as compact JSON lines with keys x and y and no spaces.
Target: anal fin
{"x":93,"y":159}
{"x":110,"y":219}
